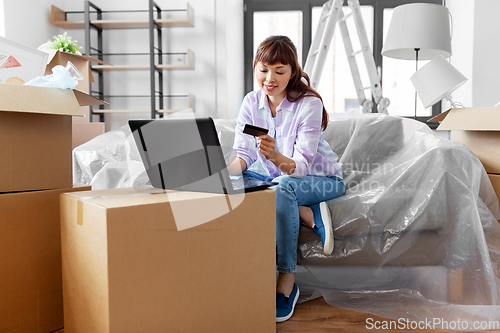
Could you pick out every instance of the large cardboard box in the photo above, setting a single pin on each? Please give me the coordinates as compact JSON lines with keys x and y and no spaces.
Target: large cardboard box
{"x":82,"y":63}
{"x":478,"y":129}
{"x":126,"y":267}
{"x":35,"y":136}
{"x":30,"y":261}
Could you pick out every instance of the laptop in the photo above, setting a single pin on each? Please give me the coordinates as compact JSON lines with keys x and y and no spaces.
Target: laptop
{"x":185,"y":155}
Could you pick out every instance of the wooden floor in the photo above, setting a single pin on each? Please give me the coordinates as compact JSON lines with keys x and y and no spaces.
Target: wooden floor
{"x":317,"y":316}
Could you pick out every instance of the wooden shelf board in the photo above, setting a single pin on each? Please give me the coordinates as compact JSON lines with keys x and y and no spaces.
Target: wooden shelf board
{"x":58,"y":15}
{"x":146,"y":67}
{"x":69,"y":24}
{"x":173,"y":67}
{"x":120,"y":24}
{"x":117,"y":24}
{"x":120,"y":67}
{"x":139,"y":67}
{"x":173,"y":111}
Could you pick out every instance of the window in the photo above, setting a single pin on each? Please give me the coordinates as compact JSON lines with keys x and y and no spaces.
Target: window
{"x":336,"y":85}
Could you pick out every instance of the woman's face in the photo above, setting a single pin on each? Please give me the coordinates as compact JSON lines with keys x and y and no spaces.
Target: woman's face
{"x":273,"y":79}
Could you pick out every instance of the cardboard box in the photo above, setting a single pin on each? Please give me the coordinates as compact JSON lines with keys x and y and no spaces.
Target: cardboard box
{"x":35,"y":136}
{"x":84,"y":132}
{"x":484,"y":144}
{"x":478,"y":129}
{"x":126,"y":268}
{"x":495,"y":181}
{"x":30,"y":261}
{"x":82,"y":63}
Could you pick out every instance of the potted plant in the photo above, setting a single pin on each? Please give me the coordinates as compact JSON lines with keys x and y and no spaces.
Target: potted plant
{"x":63,"y":43}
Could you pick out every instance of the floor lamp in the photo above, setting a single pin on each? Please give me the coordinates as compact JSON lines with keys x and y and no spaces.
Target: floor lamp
{"x":418,"y":31}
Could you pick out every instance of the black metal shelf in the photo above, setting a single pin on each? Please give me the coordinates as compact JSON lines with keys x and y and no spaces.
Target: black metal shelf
{"x":155,"y":23}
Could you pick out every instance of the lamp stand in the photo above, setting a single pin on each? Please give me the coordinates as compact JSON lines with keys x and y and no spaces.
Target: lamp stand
{"x":416,"y":69}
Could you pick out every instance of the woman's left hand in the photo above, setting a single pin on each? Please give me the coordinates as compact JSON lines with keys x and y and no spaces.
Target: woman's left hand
{"x":267,"y":146}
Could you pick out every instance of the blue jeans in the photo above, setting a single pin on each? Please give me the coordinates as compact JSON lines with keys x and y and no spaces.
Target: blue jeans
{"x":291,"y":193}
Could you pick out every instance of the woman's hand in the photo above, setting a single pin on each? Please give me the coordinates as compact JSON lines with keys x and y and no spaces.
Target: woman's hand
{"x":267,"y":147}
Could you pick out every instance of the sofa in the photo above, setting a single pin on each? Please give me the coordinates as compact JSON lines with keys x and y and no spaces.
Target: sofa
{"x":416,"y":234}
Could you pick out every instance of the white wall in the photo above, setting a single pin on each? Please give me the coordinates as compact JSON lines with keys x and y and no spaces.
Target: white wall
{"x":476,"y":50}
{"x":28,"y":22}
{"x":486,"y":65}
{"x":462,"y":14}
{"x":2,"y":20}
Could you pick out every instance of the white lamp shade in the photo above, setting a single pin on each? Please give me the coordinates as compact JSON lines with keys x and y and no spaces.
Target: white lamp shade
{"x":436,"y":80}
{"x":422,"y":26}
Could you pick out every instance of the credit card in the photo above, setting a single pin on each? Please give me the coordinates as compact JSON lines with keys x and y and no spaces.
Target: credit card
{"x":254,"y":130}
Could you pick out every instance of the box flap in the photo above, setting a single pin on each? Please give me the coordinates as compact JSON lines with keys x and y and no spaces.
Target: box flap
{"x":23,"y":98}
{"x":52,"y":54}
{"x":439,"y":117}
{"x":470,"y":119}
{"x":112,"y":198}
{"x":91,"y":59}
{"x":86,"y":100}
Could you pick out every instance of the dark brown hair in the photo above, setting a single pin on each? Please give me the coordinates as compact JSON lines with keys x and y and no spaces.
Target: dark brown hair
{"x":280,"y":49}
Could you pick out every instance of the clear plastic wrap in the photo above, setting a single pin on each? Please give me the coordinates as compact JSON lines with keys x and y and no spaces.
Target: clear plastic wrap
{"x":416,"y":235}
{"x":61,"y":77}
{"x":110,"y":160}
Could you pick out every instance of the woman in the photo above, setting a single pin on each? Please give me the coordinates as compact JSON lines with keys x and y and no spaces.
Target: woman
{"x":294,"y":153}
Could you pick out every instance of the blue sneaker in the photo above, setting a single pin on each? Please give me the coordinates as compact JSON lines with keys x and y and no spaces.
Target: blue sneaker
{"x":323,"y":226}
{"x":286,"y":305}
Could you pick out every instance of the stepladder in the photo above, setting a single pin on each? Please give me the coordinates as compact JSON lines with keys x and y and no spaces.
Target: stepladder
{"x":331,"y":14}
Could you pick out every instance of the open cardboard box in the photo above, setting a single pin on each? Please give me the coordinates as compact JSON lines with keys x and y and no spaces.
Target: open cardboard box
{"x":82,"y":63}
{"x":36,"y":136}
{"x":478,"y":129}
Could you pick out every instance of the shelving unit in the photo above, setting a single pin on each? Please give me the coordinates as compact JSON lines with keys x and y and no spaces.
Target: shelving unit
{"x":156,"y":65}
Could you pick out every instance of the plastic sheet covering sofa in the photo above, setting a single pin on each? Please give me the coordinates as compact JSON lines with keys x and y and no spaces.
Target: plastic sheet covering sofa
{"x":416,"y":235}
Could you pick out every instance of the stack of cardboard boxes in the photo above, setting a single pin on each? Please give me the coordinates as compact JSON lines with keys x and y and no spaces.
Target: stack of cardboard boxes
{"x":35,"y":168}
{"x":124,"y":263}
{"x":479,"y":130}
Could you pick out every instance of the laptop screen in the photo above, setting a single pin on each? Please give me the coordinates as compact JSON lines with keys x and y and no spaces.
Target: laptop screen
{"x":181,"y":154}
